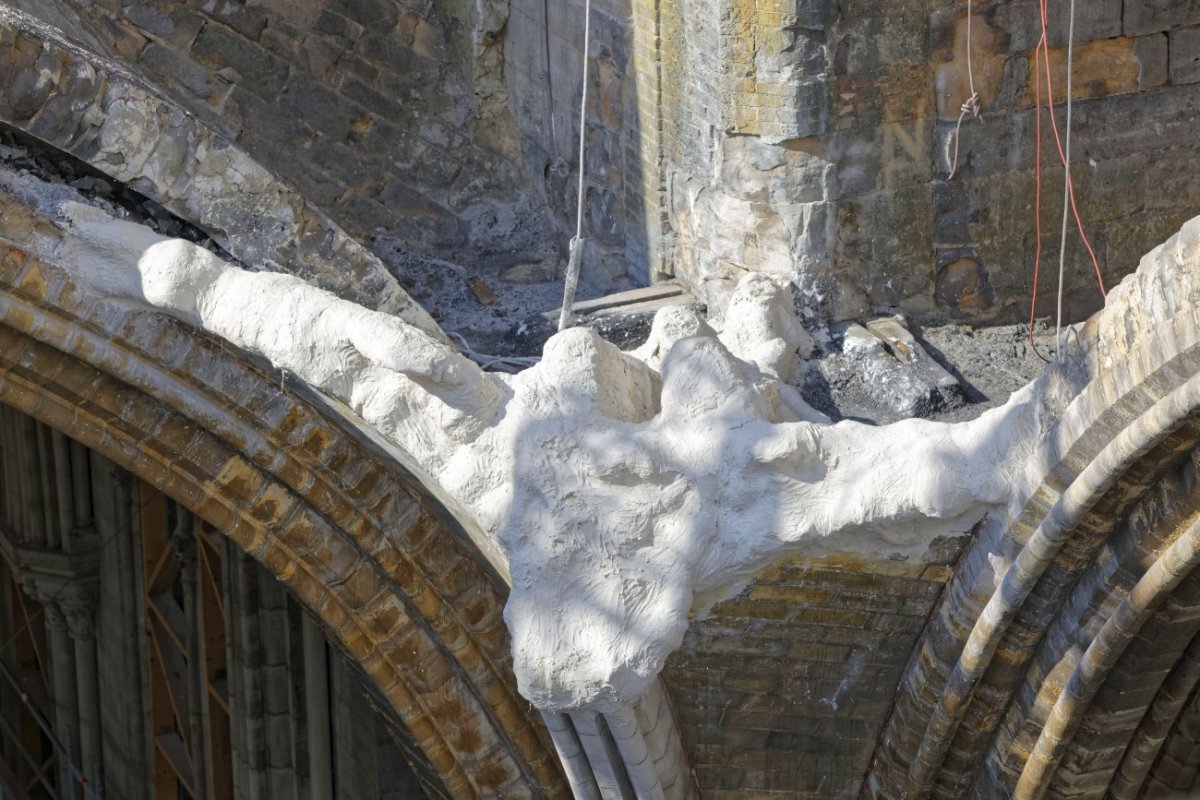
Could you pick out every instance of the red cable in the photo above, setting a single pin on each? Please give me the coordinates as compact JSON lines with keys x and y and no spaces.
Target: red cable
{"x":1037,"y":203}
{"x":1043,"y":47}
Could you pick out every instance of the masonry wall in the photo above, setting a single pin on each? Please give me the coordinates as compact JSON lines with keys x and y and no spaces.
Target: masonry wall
{"x":811,"y":140}
{"x":391,"y":117}
{"x":780,"y":690}
{"x":543,"y":45}
{"x":803,"y":138}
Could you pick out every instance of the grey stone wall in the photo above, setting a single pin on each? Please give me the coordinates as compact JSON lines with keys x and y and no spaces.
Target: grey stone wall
{"x":963,"y":248}
{"x":544,"y":69}
{"x":803,"y":138}
{"x":826,"y":159}
{"x":391,"y":117}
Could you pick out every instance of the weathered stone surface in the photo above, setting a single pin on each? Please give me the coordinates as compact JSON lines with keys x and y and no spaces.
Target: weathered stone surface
{"x":1147,"y":16}
{"x":1185,"y":55}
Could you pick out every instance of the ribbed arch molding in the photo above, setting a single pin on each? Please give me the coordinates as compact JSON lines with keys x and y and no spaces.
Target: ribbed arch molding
{"x":355,"y":537}
{"x":1047,"y":609}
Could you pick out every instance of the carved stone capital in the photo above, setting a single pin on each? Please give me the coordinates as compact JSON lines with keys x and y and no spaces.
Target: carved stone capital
{"x":67,"y":602}
{"x":78,"y":603}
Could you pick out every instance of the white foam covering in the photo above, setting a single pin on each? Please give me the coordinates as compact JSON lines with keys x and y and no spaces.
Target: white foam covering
{"x":625,"y":491}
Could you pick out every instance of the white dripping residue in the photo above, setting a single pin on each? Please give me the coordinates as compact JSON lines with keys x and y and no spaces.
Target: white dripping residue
{"x":624,"y":490}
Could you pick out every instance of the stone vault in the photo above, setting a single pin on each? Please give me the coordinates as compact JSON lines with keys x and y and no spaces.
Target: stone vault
{"x":710,"y":589}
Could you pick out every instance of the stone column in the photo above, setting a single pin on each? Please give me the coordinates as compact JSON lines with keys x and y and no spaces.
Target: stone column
{"x":64,"y":687}
{"x":79,"y":608}
{"x":67,"y":588}
{"x":183,"y":540}
{"x":316,"y":691}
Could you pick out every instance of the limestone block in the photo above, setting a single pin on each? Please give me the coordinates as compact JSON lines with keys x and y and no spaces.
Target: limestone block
{"x":1100,"y":68}
{"x":1185,"y":55}
{"x":952,"y":79}
{"x":1149,"y":16}
{"x":1021,"y":21}
{"x":1151,"y":53}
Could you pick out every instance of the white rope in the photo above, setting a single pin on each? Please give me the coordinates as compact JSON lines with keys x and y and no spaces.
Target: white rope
{"x":572,"y":281}
{"x":493,"y":362}
{"x":1062,"y":247}
{"x":549,"y":75}
{"x":971,"y":106}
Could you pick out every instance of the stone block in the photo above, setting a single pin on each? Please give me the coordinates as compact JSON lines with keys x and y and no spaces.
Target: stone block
{"x":217,"y":48}
{"x":372,"y":14}
{"x":167,"y":22}
{"x":172,"y":67}
{"x":1151,"y":53}
{"x":64,"y":112}
{"x":282,"y":38}
{"x":317,"y":55}
{"x":1119,"y":126}
{"x":21,"y":58}
{"x":1021,"y":21}
{"x":1171,"y":182}
{"x":241,"y":17}
{"x":370,"y":99}
{"x":336,"y":25}
{"x":1185,"y":55}
{"x":1150,"y":16}
{"x":321,"y":108}
{"x":262,"y":124}
{"x":1101,"y":68}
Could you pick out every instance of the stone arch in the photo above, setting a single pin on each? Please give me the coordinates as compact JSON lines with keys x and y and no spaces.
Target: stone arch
{"x":1042,"y":614}
{"x":103,"y":114}
{"x":99,"y":112}
{"x":354,"y":536}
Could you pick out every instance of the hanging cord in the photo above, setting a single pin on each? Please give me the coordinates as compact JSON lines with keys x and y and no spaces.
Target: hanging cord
{"x":493,"y":362}
{"x":971,"y":106}
{"x":1037,"y":198}
{"x":549,"y":75}
{"x":572,"y":281}
{"x":1062,"y":246}
{"x":1044,"y":51}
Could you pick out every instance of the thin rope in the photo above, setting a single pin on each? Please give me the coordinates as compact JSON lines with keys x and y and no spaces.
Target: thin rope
{"x":1044,"y":51}
{"x":493,"y":362}
{"x":549,"y":75}
{"x":1062,"y":247}
{"x":1037,"y":201}
{"x":572,"y":281}
{"x":971,"y":106}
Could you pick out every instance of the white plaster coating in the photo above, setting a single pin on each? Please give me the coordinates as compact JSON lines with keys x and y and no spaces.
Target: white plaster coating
{"x":626,"y":491}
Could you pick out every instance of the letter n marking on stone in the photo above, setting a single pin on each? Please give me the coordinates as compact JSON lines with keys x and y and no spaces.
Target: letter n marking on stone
{"x":909,"y":151}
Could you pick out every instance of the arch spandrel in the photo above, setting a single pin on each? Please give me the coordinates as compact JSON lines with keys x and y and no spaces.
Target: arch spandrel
{"x":362,"y":546}
{"x":1030,"y":595}
{"x":296,"y":481}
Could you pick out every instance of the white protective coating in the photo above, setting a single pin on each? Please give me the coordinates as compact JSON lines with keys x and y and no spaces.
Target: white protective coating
{"x":625,"y":491}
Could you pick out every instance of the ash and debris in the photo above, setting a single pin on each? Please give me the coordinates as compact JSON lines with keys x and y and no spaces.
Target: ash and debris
{"x":986,"y":365}
{"x":948,"y":372}
{"x":24,"y":154}
{"x":498,"y":316}
{"x":506,"y":321}
{"x":990,"y":363}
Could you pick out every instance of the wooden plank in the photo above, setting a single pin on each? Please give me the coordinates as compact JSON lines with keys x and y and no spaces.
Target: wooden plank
{"x":647,"y":294}
{"x":12,"y":786}
{"x":175,"y":753}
